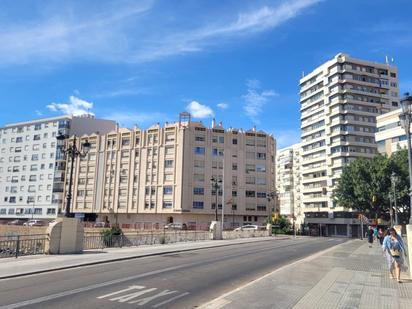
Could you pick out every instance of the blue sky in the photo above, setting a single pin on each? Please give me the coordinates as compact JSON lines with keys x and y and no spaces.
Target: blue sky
{"x":140,"y":62}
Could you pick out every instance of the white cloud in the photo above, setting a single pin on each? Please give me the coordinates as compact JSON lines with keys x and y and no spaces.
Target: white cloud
{"x":130,"y":118}
{"x":198,"y":110}
{"x":255,"y":100}
{"x":223,"y":105}
{"x":76,"y":107}
{"x":117,"y":32}
{"x":286,"y":138}
{"x":38,"y":113}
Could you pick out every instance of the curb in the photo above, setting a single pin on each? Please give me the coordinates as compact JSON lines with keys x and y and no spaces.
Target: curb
{"x":220,"y":301}
{"x":131,"y":258}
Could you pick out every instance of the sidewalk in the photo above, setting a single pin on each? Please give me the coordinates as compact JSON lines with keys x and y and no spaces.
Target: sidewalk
{"x":350,"y":275}
{"x":26,"y":265}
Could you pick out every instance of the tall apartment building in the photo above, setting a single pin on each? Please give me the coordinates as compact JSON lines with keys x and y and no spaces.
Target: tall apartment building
{"x":390,"y":135}
{"x":162,"y":175}
{"x":32,"y":164}
{"x":288,"y":182}
{"x":339,"y":103}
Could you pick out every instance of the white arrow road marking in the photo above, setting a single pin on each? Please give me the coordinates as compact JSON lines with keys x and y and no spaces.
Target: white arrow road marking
{"x":133,"y":287}
{"x":170,"y":299}
{"x":127,"y":297}
{"x":93,"y":287}
{"x":144,"y":301}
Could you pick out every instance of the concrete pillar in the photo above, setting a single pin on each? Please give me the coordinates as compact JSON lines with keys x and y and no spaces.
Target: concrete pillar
{"x":269,"y":229}
{"x":216,"y":229}
{"x":65,"y":236}
{"x":409,"y":244}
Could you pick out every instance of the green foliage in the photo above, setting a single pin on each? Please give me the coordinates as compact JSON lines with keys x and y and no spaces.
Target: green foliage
{"x":112,"y":237}
{"x":282,"y":226}
{"x":365,"y":185}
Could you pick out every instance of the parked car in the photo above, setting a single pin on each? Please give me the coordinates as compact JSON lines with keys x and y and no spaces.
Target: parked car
{"x":249,"y":227}
{"x":34,"y":223}
{"x":17,"y":222}
{"x":175,"y":226}
{"x":101,"y":224}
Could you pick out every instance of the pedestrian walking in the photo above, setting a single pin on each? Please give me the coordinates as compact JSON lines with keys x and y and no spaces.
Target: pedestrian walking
{"x":375,"y":233}
{"x":369,"y":234}
{"x":380,"y":236}
{"x":394,"y":250}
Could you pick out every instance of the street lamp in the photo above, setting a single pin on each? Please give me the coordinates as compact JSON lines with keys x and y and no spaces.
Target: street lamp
{"x":406,"y":119}
{"x":216,"y":183}
{"x":73,"y":153}
{"x":394,"y":179}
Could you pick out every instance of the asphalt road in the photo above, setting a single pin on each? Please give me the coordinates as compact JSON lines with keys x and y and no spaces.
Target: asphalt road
{"x":183,"y":280}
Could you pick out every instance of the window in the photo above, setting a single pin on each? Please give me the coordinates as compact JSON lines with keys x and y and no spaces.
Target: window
{"x":250,"y":193}
{"x":168,"y":163}
{"x":168,"y":190}
{"x":198,"y":204}
{"x":199,"y":150}
{"x":261,"y":194}
{"x":198,"y":191}
{"x":36,"y":137}
{"x":234,"y":166}
{"x":167,"y":204}
{"x":261,"y":156}
{"x":199,"y":138}
{"x":221,"y":139}
{"x":32,"y":178}
{"x":260,"y":168}
{"x":234,"y":141}
{"x":169,"y":150}
{"x":200,"y":164}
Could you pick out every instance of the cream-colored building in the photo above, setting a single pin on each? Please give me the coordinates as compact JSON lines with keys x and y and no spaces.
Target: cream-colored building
{"x":390,"y":135}
{"x":142,"y":178}
{"x":339,"y":103}
{"x":288,"y":182}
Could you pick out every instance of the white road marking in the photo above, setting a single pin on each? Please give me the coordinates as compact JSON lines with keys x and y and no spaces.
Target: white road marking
{"x":146,"y":300}
{"x":170,"y":299}
{"x":133,"y":287}
{"x":127,"y":297}
{"x":92,"y":287}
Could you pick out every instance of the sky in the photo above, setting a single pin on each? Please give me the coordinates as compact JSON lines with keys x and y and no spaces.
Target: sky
{"x":143,"y":62}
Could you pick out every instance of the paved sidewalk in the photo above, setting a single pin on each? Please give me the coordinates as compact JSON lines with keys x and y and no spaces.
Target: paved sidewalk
{"x":12,"y":267}
{"x":350,"y":275}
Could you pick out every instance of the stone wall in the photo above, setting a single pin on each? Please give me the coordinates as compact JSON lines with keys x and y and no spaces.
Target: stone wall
{"x":6,"y":230}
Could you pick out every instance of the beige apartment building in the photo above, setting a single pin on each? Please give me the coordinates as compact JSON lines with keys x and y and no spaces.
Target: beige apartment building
{"x":145,"y":178}
{"x":390,"y":135}
{"x":288,"y":182}
{"x":339,"y":103}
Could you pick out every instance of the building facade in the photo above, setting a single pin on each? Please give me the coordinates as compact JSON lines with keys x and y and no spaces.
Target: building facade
{"x":145,"y":178}
{"x":390,"y":135}
{"x":288,"y":182}
{"x":32,"y":164}
{"x":339,"y":103}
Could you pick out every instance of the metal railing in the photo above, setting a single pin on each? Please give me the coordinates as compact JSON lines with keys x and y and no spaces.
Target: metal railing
{"x":99,"y":241}
{"x":19,"y":245}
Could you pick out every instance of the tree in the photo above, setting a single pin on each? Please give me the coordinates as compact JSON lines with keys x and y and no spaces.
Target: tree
{"x":365,"y":185}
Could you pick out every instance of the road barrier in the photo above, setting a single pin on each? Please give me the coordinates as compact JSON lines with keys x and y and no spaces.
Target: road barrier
{"x":19,"y":245}
{"x":98,"y":241}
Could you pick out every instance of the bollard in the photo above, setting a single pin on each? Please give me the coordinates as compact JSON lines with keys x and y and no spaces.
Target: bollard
{"x":17,"y":246}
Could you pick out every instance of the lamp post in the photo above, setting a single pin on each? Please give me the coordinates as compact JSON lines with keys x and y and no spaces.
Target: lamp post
{"x":73,"y":153}
{"x":216,"y":183}
{"x":394,"y":178}
{"x":406,"y":119}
